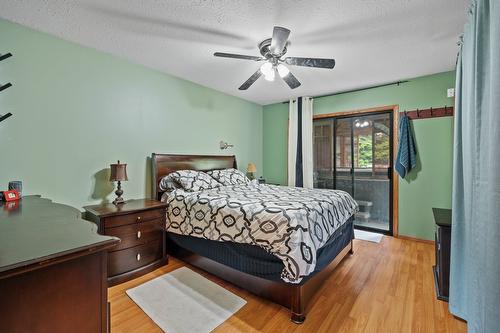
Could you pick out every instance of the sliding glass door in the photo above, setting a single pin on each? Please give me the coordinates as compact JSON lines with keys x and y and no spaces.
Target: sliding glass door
{"x":354,"y":154}
{"x":372,"y":170}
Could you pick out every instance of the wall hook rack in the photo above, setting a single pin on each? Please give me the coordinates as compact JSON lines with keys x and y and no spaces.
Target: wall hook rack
{"x":5,"y":116}
{"x":5,"y":56}
{"x":5,"y":86}
{"x":446,"y":111}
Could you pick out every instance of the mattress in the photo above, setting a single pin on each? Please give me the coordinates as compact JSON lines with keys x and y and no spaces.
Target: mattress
{"x":289,"y":223}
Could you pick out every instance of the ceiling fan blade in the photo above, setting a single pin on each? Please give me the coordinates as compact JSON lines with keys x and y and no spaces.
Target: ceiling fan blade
{"x":237,"y":56}
{"x":250,"y":80}
{"x":291,"y":80}
{"x":278,"y":42}
{"x":310,"y":62}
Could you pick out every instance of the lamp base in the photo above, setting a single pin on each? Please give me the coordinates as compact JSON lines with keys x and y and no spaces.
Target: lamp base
{"x":119,"y":200}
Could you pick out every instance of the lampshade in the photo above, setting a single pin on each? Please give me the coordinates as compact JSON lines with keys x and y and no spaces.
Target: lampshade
{"x":251,"y":167}
{"x":118,"y":172}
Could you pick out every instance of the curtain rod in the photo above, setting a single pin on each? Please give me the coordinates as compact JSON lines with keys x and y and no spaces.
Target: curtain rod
{"x":360,"y":89}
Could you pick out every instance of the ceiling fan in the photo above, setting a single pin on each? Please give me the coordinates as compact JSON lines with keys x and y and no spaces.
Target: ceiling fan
{"x":272,"y":51}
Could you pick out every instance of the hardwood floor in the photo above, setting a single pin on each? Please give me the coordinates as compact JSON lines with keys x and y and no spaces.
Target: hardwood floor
{"x":386,"y":287}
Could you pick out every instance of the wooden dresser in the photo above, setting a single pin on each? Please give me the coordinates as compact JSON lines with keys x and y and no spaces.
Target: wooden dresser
{"x":442,"y":217}
{"x":52,"y":269}
{"x":140,"y":224}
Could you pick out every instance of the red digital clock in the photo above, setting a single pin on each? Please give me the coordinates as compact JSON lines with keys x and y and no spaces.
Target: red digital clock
{"x":11,"y":195}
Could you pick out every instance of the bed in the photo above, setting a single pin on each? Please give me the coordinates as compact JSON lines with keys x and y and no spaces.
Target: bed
{"x":242,"y":246}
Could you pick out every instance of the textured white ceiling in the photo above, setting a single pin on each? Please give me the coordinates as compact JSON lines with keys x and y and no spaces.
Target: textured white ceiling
{"x":373,"y":41}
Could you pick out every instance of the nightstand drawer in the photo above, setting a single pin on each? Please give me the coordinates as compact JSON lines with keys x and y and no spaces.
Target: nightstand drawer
{"x":136,"y":234}
{"x":135,"y":257}
{"x":139,"y":217}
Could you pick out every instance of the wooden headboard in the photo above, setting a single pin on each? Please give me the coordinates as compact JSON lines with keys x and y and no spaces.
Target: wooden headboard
{"x":163,"y":164}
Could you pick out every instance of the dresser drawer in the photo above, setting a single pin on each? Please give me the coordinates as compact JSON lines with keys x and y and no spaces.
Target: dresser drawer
{"x":136,"y":234}
{"x":115,"y":221}
{"x":135,"y":257}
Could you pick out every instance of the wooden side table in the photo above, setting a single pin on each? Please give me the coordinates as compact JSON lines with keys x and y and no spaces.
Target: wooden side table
{"x":140,"y":224}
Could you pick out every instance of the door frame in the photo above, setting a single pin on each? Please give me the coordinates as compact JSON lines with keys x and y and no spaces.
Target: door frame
{"x":395,"y":180}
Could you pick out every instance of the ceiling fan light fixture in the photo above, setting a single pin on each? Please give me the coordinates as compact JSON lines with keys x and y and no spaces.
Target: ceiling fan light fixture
{"x":282,"y":70}
{"x":267,"y":68}
{"x":273,"y":51}
{"x":270,"y":76}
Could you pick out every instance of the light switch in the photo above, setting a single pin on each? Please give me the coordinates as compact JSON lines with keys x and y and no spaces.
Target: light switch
{"x":451,"y":92}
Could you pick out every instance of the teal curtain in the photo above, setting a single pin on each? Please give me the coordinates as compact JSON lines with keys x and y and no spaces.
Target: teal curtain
{"x":475,"y":244}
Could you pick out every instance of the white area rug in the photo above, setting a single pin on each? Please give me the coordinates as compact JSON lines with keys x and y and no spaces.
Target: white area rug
{"x":367,"y":236}
{"x":183,"y":301}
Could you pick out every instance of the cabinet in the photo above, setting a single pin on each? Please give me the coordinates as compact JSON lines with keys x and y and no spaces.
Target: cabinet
{"x":442,"y":217}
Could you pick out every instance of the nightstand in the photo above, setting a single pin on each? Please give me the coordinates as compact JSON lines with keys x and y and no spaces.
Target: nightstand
{"x":442,"y":217}
{"x":263,"y":181}
{"x":140,"y":224}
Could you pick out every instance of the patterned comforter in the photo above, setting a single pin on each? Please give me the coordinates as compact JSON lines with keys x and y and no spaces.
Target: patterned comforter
{"x":288,"y":222}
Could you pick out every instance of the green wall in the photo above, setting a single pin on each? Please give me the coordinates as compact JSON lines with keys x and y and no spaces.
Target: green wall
{"x":426,"y":187}
{"x":77,"y":110}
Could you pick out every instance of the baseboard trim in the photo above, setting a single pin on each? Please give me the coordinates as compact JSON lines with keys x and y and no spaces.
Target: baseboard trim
{"x":428,"y":241}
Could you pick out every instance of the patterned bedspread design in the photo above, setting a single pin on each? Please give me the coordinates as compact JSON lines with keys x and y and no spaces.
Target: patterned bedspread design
{"x":289,"y":222}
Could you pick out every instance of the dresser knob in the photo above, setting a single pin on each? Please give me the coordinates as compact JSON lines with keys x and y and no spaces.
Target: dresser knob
{"x":138,"y":218}
{"x":139,"y":234}
{"x":138,"y":256}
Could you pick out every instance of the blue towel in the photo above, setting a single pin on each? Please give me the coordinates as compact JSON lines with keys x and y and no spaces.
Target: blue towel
{"x":407,"y":152}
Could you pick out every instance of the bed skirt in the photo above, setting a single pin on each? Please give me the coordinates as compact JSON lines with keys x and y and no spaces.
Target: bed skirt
{"x":254,"y":260}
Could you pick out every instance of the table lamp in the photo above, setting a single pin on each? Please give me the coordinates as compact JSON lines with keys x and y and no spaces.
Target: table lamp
{"x":119,"y":174}
{"x":251,"y":169}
